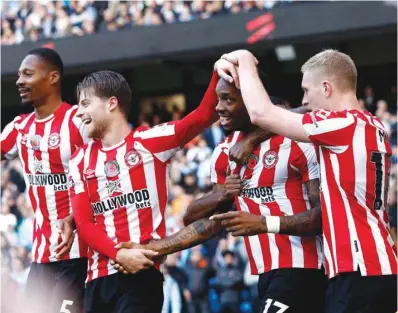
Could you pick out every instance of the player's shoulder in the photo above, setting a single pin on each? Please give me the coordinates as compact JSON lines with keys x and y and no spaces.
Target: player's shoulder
{"x":322,"y":114}
{"x":81,"y":151}
{"x":19,"y":119}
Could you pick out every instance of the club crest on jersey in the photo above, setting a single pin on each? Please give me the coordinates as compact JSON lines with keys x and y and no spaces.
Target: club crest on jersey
{"x":252,"y":161}
{"x":270,"y":159}
{"x":132,"y":158}
{"x":112,"y":168}
{"x":35,"y":142}
{"x":54,"y":141}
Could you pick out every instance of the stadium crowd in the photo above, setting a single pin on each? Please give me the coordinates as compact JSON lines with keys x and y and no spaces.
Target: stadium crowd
{"x":44,"y":19}
{"x":203,"y":279}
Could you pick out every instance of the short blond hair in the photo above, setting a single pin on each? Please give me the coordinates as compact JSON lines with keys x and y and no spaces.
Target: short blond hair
{"x":336,"y":66}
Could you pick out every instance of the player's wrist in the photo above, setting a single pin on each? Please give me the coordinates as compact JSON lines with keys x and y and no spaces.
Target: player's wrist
{"x":273,"y":224}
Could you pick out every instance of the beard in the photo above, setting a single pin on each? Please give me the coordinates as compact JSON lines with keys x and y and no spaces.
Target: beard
{"x":27,"y":103}
{"x":98,"y":130}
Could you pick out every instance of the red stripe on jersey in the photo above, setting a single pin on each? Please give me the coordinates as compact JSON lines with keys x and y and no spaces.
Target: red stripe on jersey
{"x":138,"y":182}
{"x":341,"y":228}
{"x":253,"y":266}
{"x":41,"y":192}
{"x":294,"y":192}
{"x":120,"y":218}
{"x":161,"y":184}
{"x":62,"y":204}
{"x":283,"y":242}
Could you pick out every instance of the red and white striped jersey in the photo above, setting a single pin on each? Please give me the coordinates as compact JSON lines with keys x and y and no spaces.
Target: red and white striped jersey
{"x":128,"y":188}
{"x":45,"y":147}
{"x":274,"y":184}
{"x":354,"y":157}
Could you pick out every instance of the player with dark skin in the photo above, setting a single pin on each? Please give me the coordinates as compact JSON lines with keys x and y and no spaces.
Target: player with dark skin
{"x":39,"y":85}
{"x":199,"y":228}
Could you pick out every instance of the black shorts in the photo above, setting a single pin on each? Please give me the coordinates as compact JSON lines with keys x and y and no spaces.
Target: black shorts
{"x":120,"y":293}
{"x":56,"y":286}
{"x":353,"y":293}
{"x":292,"y":290}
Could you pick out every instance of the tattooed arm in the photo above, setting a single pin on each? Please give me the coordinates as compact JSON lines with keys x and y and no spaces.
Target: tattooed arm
{"x":192,"y":235}
{"x":307,"y":223}
{"x":218,"y":200}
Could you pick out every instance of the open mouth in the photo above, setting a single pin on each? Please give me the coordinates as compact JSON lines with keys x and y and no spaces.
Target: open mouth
{"x":23,"y":92}
{"x":87,"y":121}
{"x":225,"y":120}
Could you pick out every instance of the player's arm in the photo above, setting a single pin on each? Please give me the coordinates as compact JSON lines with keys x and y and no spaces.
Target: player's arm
{"x":307,"y":223}
{"x":8,"y":139}
{"x":218,"y":200}
{"x":241,"y":150}
{"x":259,"y":106}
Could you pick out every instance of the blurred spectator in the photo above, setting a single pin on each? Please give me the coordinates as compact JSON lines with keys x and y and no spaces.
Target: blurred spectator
{"x":370,"y":101}
{"x":172,"y":296}
{"x":36,"y":20}
{"x":228,"y":281}
{"x":198,"y":272}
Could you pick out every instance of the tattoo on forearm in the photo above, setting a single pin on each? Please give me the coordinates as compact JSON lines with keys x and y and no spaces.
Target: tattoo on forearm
{"x":307,"y":223}
{"x":190,"y":236}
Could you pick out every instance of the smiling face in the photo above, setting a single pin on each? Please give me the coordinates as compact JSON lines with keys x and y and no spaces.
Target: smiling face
{"x":94,"y":114}
{"x":35,"y":80}
{"x":230,"y":107}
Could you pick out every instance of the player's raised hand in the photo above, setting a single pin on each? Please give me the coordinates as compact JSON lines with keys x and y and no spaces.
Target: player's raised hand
{"x":234,"y":56}
{"x":66,"y":229}
{"x":227,"y":71}
{"x":240,"y":223}
{"x":233,"y":186}
{"x":134,"y":260}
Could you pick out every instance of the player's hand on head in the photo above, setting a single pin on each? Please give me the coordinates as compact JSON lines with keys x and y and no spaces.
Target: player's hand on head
{"x":233,"y":186}
{"x":236,"y":55}
{"x":241,"y":151}
{"x":66,"y":230}
{"x":240,"y":223}
{"x":227,"y":71}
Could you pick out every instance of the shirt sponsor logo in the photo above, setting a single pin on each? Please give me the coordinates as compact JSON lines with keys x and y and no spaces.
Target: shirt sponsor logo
{"x":89,"y":173}
{"x":113,"y":186}
{"x":58,"y":181}
{"x":138,"y":199}
{"x":37,"y":165}
{"x":265,"y":194}
{"x":54,"y":141}
{"x":270,"y":159}
{"x":112,"y":168}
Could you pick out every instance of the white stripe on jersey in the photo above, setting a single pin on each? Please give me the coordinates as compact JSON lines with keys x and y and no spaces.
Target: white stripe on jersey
{"x":166,"y":155}
{"x":149,"y":170}
{"x":254,"y":242}
{"x":103,"y":194}
{"x":162,"y":130}
{"x":126,"y":186}
{"x":50,"y":194}
{"x":326,"y":195}
{"x":357,"y":257}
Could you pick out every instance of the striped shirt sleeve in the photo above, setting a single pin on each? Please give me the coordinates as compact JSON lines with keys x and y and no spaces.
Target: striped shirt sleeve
{"x":330,"y":129}
{"x":9,"y":136}
{"x":307,"y":162}
{"x":219,"y":164}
